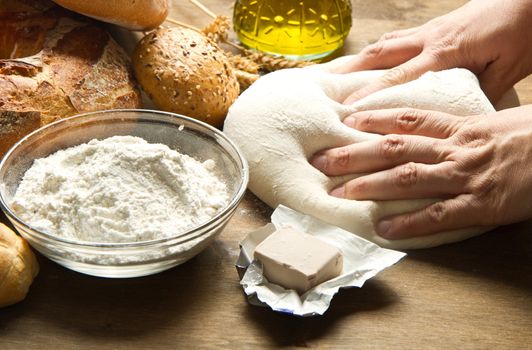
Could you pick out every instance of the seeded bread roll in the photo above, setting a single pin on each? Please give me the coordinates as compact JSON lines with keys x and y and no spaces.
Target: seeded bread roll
{"x":18,"y":267}
{"x":131,"y":14}
{"x":184,"y":72}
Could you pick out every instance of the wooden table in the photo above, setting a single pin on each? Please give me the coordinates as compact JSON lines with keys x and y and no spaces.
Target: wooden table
{"x":472,"y":295}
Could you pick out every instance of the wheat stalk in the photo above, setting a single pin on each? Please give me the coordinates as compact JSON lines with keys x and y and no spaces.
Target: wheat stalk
{"x":218,"y":30}
{"x":245,"y":79}
{"x":243,"y":63}
{"x":273,"y":63}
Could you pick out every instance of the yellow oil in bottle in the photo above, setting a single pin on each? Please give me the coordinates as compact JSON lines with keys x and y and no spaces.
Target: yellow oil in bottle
{"x":296,"y":29}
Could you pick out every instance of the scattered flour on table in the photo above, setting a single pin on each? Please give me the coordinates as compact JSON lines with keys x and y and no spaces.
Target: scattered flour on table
{"x":121,"y":189}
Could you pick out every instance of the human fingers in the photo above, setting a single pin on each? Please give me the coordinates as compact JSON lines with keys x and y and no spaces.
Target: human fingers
{"x":401,"y":74}
{"x":406,"y":181}
{"x":446,"y":215}
{"x":384,"y":153}
{"x":406,"y":121}
{"x":383,"y":54}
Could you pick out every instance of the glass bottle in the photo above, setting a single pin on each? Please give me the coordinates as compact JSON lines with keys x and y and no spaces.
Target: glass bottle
{"x":295,"y":29}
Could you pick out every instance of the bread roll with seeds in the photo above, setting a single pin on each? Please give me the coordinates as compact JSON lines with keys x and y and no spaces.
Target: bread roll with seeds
{"x":184,"y":72}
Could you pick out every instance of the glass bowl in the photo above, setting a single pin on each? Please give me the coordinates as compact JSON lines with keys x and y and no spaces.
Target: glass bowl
{"x":120,"y":260}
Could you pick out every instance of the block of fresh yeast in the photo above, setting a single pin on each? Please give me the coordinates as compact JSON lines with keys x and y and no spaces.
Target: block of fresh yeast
{"x":297,"y":260}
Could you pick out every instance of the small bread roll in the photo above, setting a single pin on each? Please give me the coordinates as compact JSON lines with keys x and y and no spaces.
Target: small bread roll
{"x":18,"y":267}
{"x":183,"y":71}
{"x":134,"y":15}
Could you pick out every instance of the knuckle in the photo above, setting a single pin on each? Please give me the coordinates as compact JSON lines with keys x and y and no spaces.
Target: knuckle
{"x":457,"y":175}
{"x":485,"y":187}
{"x":374,"y":50}
{"x":437,"y":51}
{"x":396,"y":75}
{"x":449,"y":42}
{"x":339,"y":159}
{"x":408,"y":120}
{"x":459,"y":124}
{"x":470,"y":137}
{"x":390,"y":35}
{"x":392,"y":146}
{"x":437,"y":213}
{"x":406,"y":175}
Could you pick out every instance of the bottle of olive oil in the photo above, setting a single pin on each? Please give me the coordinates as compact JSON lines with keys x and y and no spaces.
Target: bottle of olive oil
{"x":295,"y":29}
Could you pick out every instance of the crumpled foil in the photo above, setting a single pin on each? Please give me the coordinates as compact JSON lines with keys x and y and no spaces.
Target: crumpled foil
{"x":362,"y":260}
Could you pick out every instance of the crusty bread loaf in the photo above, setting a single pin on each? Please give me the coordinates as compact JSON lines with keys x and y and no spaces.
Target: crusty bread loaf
{"x":185,"y":72}
{"x":15,"y":125}
{"x":25,"y":6}
{"x":18,"y":267}
{"x":134,"y":15}
{"x":53,"y":66}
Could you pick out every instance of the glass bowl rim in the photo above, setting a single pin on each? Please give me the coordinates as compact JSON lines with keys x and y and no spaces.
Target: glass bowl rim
{"x":244,"y":170}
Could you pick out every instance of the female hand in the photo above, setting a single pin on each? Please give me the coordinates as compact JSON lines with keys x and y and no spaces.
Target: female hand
{"x":480,"y":167}
{"x":491,"y":38}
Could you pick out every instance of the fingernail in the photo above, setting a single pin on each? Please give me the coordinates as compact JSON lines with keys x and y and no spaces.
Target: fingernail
{"x":350,"y":122}
{"x":338,"y":192}
{"x":319,"y":162}
{"x":383,"y":228}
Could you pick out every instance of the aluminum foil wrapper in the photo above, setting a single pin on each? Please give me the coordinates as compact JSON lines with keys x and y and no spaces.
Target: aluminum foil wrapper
{"x":362,"y":260}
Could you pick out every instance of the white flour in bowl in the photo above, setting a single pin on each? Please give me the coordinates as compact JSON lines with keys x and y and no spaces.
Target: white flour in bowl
{"x":121,"y":189}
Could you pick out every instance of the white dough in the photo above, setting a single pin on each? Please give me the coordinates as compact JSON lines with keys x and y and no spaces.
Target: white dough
{"x":283,"y":119}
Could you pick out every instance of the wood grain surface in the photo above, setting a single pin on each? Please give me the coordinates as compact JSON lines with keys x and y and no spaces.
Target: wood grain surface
{"x":475,"y":294}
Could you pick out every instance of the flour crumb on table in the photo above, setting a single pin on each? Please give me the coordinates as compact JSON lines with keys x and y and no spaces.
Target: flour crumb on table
{"x":120,"y":189}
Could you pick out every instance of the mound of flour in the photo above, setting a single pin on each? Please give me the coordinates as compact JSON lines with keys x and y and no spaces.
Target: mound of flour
{"x":121,"y":189}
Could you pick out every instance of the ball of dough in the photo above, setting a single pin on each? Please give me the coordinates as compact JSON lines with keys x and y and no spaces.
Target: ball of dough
{"x":183,"y":71}
{"x":18,"y":267}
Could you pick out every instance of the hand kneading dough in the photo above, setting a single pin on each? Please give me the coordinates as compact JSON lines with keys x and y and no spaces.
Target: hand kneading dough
{"x":287,"y":116}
